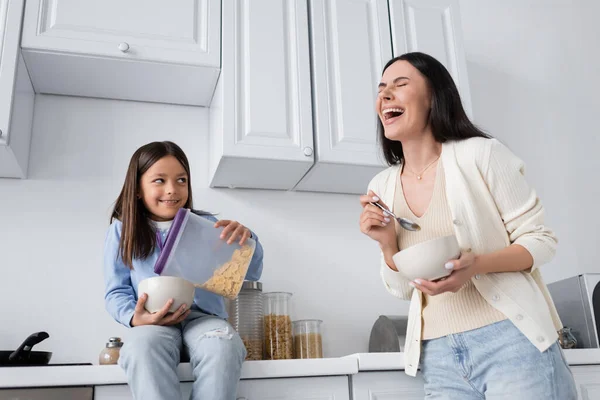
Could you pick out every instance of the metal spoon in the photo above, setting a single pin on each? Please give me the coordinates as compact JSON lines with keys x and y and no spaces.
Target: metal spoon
{"x":404,"y":222}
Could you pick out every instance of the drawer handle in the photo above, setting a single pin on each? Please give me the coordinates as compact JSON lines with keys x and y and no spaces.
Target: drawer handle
{"x":124,"y":47}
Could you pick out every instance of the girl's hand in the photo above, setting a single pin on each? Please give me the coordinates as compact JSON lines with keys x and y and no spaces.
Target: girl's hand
{"x":462,"y":271}
{"x":234,"y":230}
{"x":141,"y":316}
{"x":375,"y":223}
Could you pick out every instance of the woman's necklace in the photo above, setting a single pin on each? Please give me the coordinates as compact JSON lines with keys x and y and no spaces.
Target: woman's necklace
{"x":420,"y":175}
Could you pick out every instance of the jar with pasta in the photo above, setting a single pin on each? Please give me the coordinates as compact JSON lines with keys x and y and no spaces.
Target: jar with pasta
{"x":278,"y":326}
{"x":308,"y":339}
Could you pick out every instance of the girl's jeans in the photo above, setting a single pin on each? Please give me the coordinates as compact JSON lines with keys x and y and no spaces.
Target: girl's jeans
{"x":151,"y":354}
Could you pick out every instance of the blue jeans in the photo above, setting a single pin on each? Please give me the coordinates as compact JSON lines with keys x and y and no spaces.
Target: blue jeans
{"x":494,"y":362}
{"x":151,"y":354}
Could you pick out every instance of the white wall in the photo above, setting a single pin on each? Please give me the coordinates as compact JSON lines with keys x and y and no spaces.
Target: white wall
{"x":532,"y":70}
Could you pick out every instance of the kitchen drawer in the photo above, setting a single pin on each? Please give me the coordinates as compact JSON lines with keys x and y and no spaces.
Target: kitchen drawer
{"x":122,"y":392}
{"x":387,"y":385}
{"x":71,"y":393}
{"x":317,"y":388}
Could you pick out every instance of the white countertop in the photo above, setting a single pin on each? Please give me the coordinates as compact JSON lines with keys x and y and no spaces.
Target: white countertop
{"x":348,"y":365}
{"x":395,"y":361}
{"x":114,"y":375}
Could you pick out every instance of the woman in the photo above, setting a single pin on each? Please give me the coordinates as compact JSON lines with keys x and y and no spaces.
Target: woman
{"x":488,"y":330}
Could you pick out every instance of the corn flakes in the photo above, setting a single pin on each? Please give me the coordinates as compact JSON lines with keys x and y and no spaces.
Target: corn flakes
{"x":227,"y":280}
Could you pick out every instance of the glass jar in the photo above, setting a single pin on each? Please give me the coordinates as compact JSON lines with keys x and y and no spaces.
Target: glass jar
{"x":110,"y":354}
{"x":308,"y":339}
{"x":278,"y":326}
{"x":246,"y":317}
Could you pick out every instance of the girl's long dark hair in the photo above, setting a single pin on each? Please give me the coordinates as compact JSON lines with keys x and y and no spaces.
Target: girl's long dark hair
{"x":138,"y":238}
{"x":447,"y":118}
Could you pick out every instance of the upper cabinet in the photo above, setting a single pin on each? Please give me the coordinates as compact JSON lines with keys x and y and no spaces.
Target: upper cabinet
{"x":16,"y":94}
{"x":289,"y":116}
{"x":432,"y":27}
{"x":350,"y":44}
{"x":146,"y":50}
{"x":260,"y":118}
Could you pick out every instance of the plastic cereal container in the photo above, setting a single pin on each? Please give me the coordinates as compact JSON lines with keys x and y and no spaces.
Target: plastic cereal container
{"x":195,"y":251}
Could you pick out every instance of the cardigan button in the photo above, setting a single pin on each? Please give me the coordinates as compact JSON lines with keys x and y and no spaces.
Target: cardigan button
{"x":456,"y":222}
{"x":519,"y":317}
{"x":477,"y":276}
{"x":495,"y":297}
{"x":540,"y":339}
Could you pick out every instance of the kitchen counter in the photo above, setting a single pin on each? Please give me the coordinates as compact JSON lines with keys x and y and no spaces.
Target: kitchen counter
{"x":114,"y":375}
{"x":395,"y":361}
{"x":348,"y":365}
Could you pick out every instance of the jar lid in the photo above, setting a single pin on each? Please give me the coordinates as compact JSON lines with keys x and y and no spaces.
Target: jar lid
{"x":252,"y":285}
{"x":114,"y":342}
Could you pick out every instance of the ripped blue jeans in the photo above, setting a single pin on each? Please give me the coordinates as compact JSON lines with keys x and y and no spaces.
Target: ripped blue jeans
{"x":151,"y":354}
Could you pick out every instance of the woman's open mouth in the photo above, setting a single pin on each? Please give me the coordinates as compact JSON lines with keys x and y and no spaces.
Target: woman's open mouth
{"x":391,"y":115}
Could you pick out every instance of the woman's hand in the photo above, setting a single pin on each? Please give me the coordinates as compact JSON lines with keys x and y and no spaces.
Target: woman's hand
{"x":234,"y":230}
{"x":463,"y":270}
{"x":141,"y":316}
{"x":375,"y":223}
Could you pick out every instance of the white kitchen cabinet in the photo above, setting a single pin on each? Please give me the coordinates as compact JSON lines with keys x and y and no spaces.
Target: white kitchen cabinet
{"x":398,"y":385}
{"x":388,"y":385}
{"x":587,"y":379}
{"x":16,"y":94}
{"x":432,"y":27}
{"x":122,"y":392}
{"x":261,"y":132}
{"x":146,"y":50}
{"x":350,"y":44}
{"x":318,"y":388}
{"x":325,"y":388}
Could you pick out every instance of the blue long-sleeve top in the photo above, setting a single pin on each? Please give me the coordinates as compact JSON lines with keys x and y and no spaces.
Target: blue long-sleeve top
{"x":120,"y":282}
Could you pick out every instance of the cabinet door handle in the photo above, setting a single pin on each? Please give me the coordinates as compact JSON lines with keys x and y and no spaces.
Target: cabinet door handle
{"x":0,"y":132}
{"x":124,"y":47}
{"x":308,"y":151}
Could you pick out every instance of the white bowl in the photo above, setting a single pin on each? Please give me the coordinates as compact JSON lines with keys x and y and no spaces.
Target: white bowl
{"x":162,"y":288}
{"x":426,"y":260}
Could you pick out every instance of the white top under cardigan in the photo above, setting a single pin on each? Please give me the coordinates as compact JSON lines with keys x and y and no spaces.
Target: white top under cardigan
{"x":492,"y":206}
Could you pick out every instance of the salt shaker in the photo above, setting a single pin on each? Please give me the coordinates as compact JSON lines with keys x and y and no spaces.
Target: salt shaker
{"x":110,"y":354}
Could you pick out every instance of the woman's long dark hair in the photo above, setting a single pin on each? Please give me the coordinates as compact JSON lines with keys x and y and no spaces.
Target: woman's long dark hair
{"x":447,"y":118}
{"x":138,"y":238}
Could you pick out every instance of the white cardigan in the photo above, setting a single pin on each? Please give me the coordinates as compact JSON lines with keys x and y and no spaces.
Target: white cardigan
{"x":492,"y":206}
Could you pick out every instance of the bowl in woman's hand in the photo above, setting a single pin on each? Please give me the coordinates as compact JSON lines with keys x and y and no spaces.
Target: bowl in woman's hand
{"x":426,"y":260}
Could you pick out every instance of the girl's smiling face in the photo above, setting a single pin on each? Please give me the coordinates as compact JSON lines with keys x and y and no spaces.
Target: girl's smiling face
{"x":164,"y":188}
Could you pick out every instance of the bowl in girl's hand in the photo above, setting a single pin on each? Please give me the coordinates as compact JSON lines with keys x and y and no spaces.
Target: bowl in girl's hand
{"x":162,"y":288}
{"x":426,"y":260}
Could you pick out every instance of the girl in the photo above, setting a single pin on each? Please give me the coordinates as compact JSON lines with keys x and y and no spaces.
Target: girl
{"x":489,"y":329}
{"x":156,"y":186}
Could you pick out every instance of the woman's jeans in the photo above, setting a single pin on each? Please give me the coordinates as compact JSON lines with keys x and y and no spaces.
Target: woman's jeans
{"x":151,"y":354}
{"x":494,"y":362}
